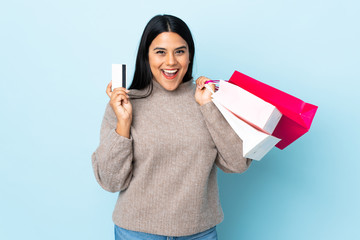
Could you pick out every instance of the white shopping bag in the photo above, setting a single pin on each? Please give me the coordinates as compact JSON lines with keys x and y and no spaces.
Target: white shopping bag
{"x":247,"y":106}
{"x":255,"y":143}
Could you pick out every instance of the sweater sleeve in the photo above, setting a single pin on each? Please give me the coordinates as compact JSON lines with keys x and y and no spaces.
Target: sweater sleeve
{"x":112,"y":160}
{"x":229,"y":145}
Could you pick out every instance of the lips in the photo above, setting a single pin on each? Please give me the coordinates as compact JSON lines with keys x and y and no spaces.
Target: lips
{"x":169,"y":74}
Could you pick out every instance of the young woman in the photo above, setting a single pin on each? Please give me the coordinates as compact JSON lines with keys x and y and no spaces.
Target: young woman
{"x":160,"y":143}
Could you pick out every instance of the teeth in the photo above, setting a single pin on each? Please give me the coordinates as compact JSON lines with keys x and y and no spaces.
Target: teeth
{"x":170,"y":71}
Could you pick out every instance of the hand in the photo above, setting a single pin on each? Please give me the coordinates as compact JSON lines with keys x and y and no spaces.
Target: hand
{"x":120,"y":103}
{"x":202,"y":95}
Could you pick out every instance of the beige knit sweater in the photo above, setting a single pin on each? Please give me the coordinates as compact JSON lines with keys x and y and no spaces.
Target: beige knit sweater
{"x":166,"y":171}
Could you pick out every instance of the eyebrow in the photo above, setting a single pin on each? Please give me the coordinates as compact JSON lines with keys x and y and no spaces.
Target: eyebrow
{"x":160,"y":48}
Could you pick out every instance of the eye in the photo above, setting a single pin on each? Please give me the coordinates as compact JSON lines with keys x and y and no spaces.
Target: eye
{"x":160,"y":52}
{"x":179,"y":52}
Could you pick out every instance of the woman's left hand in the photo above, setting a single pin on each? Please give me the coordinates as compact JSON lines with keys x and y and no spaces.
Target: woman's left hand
{"x":202,"y":95}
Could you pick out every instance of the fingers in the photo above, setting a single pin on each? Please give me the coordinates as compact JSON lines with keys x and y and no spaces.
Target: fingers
{"x":119,"y":95}
{"x":212,"y":86}
{"x":108,"y":89}
{"x":200,"y":82}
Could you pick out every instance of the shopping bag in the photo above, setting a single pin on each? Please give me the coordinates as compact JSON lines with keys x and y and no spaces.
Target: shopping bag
{"x":248,"y":107}
{"x":255,"y":143}
{"x":297,"y":115}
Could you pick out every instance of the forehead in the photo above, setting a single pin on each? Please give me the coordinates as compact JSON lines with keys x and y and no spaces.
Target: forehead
{"x":168,"y":40}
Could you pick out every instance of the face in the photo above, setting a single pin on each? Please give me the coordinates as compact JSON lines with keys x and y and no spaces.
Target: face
{"x":169,"y":59}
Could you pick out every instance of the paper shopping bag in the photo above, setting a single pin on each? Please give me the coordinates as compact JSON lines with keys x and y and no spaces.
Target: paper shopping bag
{"x":248,"y":107}
{"x":297,"y":114}
{"x":255,"y":143}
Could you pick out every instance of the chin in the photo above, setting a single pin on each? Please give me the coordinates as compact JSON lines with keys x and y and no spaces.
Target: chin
{"x":172,"y":87}
{"x":169,"y":84}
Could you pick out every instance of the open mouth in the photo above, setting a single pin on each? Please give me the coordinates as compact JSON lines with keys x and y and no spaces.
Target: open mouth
{"x":170,"y":74}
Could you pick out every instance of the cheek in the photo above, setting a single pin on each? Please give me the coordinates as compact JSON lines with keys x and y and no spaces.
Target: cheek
{"x":153,"y":61}
{"x":186,"y":64}
{"x":185,"y":61}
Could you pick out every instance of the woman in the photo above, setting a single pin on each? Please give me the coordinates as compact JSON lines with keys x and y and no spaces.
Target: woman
{"x":160,"y":143}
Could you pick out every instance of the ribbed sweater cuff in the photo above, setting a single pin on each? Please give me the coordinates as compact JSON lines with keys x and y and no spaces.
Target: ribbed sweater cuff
{"x":117,"y":139}
{"x":114,"y":144}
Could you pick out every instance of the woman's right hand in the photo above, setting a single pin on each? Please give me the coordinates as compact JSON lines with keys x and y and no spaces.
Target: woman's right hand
{"x":120,"y":103}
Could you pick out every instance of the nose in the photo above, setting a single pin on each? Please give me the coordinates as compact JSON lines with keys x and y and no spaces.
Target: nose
{"x":170,"y":59}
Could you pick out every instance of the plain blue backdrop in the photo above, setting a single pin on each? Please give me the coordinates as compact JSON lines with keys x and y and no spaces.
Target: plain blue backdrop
{"x":55,"y":62}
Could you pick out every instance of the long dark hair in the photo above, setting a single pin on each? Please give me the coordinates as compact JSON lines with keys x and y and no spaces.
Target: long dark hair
{"x":159,"y":24}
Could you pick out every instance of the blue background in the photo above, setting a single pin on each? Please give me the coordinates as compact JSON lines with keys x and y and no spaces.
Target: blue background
{"x":55,"y":62}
